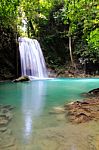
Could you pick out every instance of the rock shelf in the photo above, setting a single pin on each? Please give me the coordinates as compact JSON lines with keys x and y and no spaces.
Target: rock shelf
{"x":81,"y":111}
{"x":86,"y":110}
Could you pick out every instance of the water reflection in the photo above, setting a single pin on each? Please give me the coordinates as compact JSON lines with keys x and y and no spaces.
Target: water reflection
{"x":32,"y":105}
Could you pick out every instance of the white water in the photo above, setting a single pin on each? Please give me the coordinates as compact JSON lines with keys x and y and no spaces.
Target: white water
{"x":32,"y":60}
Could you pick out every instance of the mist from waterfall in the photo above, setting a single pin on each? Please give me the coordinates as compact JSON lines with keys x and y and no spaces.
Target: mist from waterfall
{"x":32,"y":60}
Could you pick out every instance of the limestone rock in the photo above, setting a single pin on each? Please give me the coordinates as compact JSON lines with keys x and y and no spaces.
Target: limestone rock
{"x":22,"y":79}
{"x":80,"y":112}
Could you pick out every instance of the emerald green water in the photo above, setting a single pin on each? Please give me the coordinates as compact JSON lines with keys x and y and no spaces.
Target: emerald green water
{"x":35,"y":128}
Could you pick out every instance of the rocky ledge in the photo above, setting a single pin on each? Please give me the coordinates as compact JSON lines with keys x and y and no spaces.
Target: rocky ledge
{"x":86,"y":110}
{"x":81,"y":111}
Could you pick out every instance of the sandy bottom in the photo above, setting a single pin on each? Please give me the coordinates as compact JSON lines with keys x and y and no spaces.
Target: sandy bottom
{"x":63,"y":136}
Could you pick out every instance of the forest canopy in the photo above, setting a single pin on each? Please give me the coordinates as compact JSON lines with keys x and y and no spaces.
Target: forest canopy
{"x":67,"y":29}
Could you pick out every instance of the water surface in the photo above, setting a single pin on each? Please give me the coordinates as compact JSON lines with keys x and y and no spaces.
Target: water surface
{"x":35,"y":128}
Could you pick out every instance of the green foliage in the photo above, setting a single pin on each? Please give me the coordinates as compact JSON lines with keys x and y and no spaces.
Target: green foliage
{"x":83,"y":20}
{"x":53,"y":21}
{"x":8,"y":12}
{"x":93,"y":39}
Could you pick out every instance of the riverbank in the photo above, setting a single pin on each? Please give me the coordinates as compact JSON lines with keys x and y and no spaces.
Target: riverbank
{"x":70,"y":74}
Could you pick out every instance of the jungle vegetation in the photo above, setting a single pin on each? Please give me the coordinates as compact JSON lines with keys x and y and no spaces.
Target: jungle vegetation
{"x":68,"y":30}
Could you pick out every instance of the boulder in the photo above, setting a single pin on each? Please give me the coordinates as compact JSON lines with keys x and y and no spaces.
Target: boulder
{"x":22,"y":79}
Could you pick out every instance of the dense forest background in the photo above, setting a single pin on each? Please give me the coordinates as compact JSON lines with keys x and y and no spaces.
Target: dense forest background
{"x":68,"y":31}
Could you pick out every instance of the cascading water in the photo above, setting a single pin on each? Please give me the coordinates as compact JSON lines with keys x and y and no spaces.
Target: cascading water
{"x":32,"y":60}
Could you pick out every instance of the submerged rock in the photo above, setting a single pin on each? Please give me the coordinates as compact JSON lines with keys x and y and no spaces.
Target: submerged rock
{"x":94,"y":91}
{"x":91,"y":93}
{"x":3,"y":129}
{"x":80,"y":112}
{"x":22,"y":79}
{"x":3,"y":120}
{"x":5,"y":114}
{"x":7,"y":141}
{"x":57,"y":110}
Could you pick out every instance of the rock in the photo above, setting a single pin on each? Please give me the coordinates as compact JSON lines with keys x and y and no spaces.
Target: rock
{"x":3,"y":129}
{"x":91,"y":93}
{"x":81,"y":118}
{"x":22,"y":79}
{"x":80,"y":111}
{"x":9,"y":115}
{"x":7,"y":141}
{"x":83,"y":111}
{"x":3,"y":120}
{"x":5,"y":114}
{"x":8,"y":107}
{"x":57,"y":110}
{"x":94,"y":91}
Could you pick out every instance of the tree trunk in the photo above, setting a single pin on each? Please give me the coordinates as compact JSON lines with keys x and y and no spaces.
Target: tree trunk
{"x":70,"y":51}
{"x":28,"y":30}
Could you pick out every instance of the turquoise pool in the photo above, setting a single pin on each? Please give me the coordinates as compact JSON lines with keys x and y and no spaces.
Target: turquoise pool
{"x":34,"y":128}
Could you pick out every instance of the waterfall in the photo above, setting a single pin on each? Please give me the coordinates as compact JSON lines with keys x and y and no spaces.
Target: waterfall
{"x":31,"y":56}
